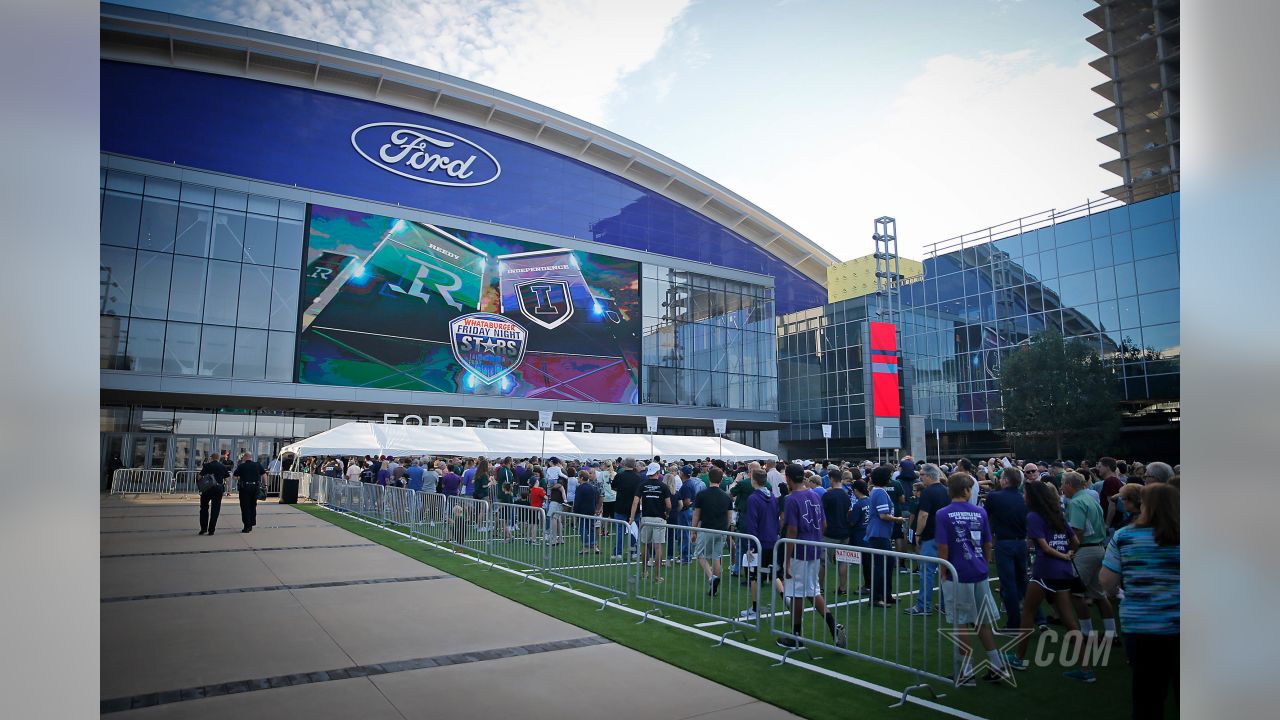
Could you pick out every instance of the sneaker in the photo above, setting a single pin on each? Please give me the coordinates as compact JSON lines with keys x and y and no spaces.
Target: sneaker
{"x":842,"y":639}
{"x":967,"y":681}
{"x":995,"y":677}
{"x":748,"y":614}
{"x":1012,"y":660}
{"x":1042,"y":627}
{"x":789,"y":643}
{"x":1084,"y":676}
{"x":715,"y":585}
{"x":917,"y":611}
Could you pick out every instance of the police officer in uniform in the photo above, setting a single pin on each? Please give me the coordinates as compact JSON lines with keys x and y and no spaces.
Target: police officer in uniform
{"x":211,"y":498}
{"x":248,"y":479}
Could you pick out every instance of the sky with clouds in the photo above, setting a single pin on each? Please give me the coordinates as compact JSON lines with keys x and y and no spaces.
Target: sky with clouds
{"x":950,"y":115}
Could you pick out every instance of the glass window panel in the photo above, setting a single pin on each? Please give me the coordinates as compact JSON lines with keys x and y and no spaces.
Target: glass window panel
{"x":1048,"y":265}
{"x":264,"y":205}
{"x":1109,"y":316}
{"x":127,"y":181}
{"x":1122,"y":247}
{"x":221,"y":293}
{"x":115,"y":279}
{"x":1124,"y":279}
{"x":113,"y":419}
{"x":151,"y":285}
{"x":120,"y":217}
{"x":288,"y":244}
{"x":162,"y":188}
{"x":1118,"y":219}
{"x":181,"y":348}
{"x":194,"y":224}
{"x":228,"y":235}
{"x":113,"y":334}
{"x":280,"y":356}
{"x":1157,"y":273}
{"x":284,"y":300}
{"x":1154,"y":240}
{"x":1031,"y":265}
{"x":1078,"y":290}
{"x":1102,"y":251}
{"x":216,"y":348}
{"x":293,"y":210}
{"x":1010,"y":245}
{"x":251,"y":354}
{"x":146,"y":345}
{"x":231,"y":199}
{"x":1160,"y":307}
{"x":1129,"y":317}
{"x":186,"y":293}
{"x":1106,"y":280}
{"x":159,"y":220}
{"x":198,"y":194}
{"x":1099,"y":225}
{"x":234,"y":422}
{"x":260,"y":240}
{"x":255,"y":297}
{"x":1071,"y":232}
{"x":1075,"y":258}
{"x":1030,"y":243}
{"x":1150,"y":211}
{"x":193,"y":422}
{"x":308,"y":425}
{"x":1161,"y":338}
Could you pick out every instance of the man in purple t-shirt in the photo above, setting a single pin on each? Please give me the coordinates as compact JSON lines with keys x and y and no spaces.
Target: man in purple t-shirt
{"x":963,"y":536}
{"x":803,"y":519}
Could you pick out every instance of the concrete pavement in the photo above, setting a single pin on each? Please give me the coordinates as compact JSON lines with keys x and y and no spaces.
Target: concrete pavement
{"x":303,"y":619}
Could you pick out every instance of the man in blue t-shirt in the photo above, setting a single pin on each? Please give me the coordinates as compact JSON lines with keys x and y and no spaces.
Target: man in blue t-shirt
{"x":859,"y":517}
{"x":880,"y":527}
{"x":803,"y":519}
{"x":683,"y":500}
{"x":415,"y":472}
{"x":964,"y":540}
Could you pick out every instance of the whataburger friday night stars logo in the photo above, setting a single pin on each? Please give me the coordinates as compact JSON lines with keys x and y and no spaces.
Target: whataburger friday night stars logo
{"x":490,"y":346}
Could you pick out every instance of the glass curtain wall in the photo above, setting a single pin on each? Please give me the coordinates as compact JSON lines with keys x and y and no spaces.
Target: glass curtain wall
{"x":196,"y":280}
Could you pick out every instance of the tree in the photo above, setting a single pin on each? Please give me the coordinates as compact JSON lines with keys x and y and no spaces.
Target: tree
{"x":1054,"y":390}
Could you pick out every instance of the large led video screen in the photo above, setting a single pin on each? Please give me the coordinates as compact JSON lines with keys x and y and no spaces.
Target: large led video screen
{"x":391,"y":303}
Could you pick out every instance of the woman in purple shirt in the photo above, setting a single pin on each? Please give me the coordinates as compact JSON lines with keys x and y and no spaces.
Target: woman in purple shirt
{"x":1052,"y":572}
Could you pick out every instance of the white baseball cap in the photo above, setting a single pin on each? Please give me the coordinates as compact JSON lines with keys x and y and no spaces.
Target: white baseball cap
{"x":654,"y":468}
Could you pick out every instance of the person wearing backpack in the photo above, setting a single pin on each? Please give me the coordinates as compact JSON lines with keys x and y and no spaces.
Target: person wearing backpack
{"x":249,"y":481}
{"x":213,"y":475}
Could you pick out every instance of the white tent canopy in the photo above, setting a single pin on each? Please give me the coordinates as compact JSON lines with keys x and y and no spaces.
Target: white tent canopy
{"x":359,"y":438}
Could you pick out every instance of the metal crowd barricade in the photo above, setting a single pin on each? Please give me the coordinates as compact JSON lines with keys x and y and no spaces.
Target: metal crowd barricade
{"x":871,"y":619}
{"x":582,"y":554}
{"x":136,"y":481}
{"x":400,"y":507}
{"x":186,"y":482}
{"x":519,"y":535}
{"x":370,"y":501}
{"x":304,"y":482}
{"x":690,"y":586}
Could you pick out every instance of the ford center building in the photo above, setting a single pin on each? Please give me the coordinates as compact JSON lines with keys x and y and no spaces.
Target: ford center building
{"x":294,"y":236}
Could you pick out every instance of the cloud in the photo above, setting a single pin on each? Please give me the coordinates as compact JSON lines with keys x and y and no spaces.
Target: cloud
{"x":567,"y":54}
{"x":969,"y":142}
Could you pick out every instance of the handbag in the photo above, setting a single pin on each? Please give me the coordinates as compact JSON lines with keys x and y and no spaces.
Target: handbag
{"x":207,"y":482}
{"x":262,"y":491}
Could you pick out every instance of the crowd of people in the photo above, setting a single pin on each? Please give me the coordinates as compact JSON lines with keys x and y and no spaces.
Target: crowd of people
{"x":1073,"y":539}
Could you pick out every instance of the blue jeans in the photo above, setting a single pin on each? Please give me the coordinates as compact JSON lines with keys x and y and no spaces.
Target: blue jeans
{"x":617,"y":541}
{"x":1011,"y":566}
{"x":686,"y":520}
{"x":587,"y":531}
{"x":929,"y":578}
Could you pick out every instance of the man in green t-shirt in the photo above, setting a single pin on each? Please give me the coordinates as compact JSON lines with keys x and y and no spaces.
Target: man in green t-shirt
{"x":1085,"y":516}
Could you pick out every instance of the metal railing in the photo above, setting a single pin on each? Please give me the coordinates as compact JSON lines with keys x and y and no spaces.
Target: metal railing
{"x":581,"y":555}
{"x":186,"y":482}
{"x":862,"y":590}
{"x":703,"y":586}
{"x":869,"y":620}
{"x":132,"y":481}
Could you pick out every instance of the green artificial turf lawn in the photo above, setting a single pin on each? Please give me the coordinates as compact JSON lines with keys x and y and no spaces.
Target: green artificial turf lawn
{"x":884,"y":633}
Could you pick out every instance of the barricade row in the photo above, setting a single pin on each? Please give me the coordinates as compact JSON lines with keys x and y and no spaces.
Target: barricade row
{"x":810,"y":596}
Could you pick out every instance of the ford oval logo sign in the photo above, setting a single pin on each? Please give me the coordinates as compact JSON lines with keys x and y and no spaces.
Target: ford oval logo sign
{"x":425,"y":154}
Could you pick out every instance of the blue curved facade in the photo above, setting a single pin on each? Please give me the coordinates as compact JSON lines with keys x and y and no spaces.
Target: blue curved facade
{"x":302,"y":137}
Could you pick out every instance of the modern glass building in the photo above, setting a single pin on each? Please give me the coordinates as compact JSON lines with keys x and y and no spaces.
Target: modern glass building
{"x":294,"y":235}
{"x":1105,"y":273}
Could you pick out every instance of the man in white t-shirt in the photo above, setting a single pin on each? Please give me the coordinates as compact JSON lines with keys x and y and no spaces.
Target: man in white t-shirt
{"x":353,"y":472}
{"x":776,"y":478}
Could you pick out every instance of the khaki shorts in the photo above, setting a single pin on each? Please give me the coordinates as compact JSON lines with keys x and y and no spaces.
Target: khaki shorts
{"x":709,"y":546}
{"x":1088,"y":562}
{"x":969,"y":602}
{"x":653,"y":531}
